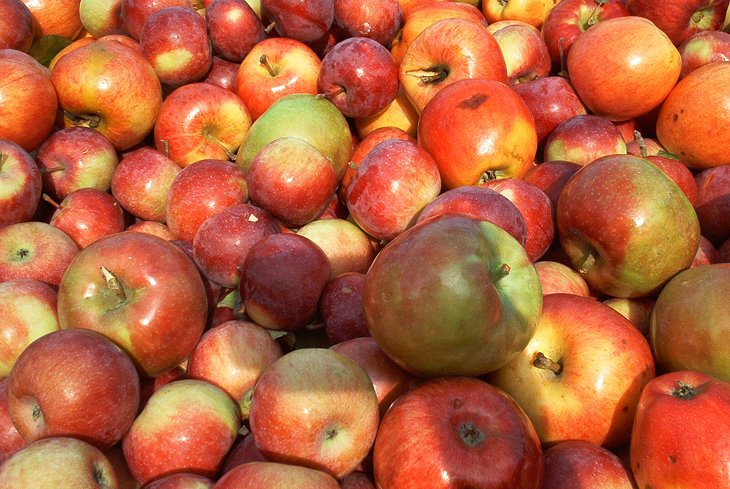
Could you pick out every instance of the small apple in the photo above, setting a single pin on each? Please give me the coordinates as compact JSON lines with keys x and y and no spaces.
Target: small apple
{"x":20,"y":184}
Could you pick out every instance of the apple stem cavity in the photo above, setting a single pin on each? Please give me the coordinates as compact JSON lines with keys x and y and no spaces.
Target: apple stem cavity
{"x":487,"y":176}
{"x":701,"y":19}
{"x":98,"y":473}
{"x":470,"y":434}
{"x":3,"y":159}
{"x":229,"y":154}
{"x":52,"y":169}
{"x":431,"y":75}
{"x":685,"y":391}
{"x":592,"y":19}
{"x":90,"y":120}
{"x":542,"y":362}
{"x":113,"y":283}
{"x":332,"y":93}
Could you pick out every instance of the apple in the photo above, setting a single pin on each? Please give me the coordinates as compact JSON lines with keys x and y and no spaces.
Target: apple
{"x":347,"y":246}
{"x":357,"y":480}
{"x":558,"y":278}
{"x":234,"y":28}
{"x":273,"y":68}
{"x":638,"y":310}
{"x":222,"y":73}
{"x":35,"y":250}
{"x":530,"y":11}
{"x":275,"y":476}
{"x":477,"y":130}
{"x":304,"y":21}
{"x":55,"y":18}
{"x":73,"y":382}
{"x":59,"y":462}
{"x":582,"y":139}
{"x":463,"y":294}
{"x":456,"y":432}
{"x":692,"y":113}
{"x":10,"y":439}
{"x":702,"y":48}
{"x":101,"y":17}
{"x":182,"y":480}
{"x":581,"y":374}
{"x":399,"y":114}
{"x":681,"y":175}
{"x":150,"y":385}
{"x":243,"y":451}
{"x":142,"y":292}
{"x":579,"y":464}
{"x":20,"y":184}
{"x":141,"y":182}
{"x":16,"y":25}
{"x":551,"y":177}
{"x":524,"y":50}
{"x":317,"y":408}
{"x":106,"y":69}
{"x":626,"y":226}
{"x":665,"y":452}
{"x":445,"y":52}
{"x":679,"y":19}
{"x":88,"y":214}
{"x":713,"y":202}
{"x":707,"y":254}
{"x":152,"y":227}
{"x":186,"y":426}
{"x":282,"y":279}
{"x":135,"y":12}
{"x":340,"y":308}
{"x":379,"y":20}
{"x":201,"y":121}
{"x":28,"y":100}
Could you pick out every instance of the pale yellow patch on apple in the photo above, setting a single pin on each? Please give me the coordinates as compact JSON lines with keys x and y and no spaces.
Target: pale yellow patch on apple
{"x":171,"y":61}
{"x":39,"y":320}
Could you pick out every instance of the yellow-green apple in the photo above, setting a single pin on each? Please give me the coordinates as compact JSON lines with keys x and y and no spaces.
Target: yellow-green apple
{"x":292,"y":180}
{"x":35,"y":250}
{"x":200,"y":191}
{"x":142,"y":292}
{"x":580,"y":464}
{"x":182,"y":480}
{"x":551,"y":177}
{"x":28,"y":309}
{"x":689,"y":320}
{"x":476,"y":130}
{"x":16,"y":25}
{"x":20,"y":184}
{"x":399,"y":114}
{"x":317,"y":408}
{"x":274,"y":475}
{"x":28,"y":100}
{"x":232,"y":356}
{"x":340,"y":308}
{"x":186,"y":426}
{"x":314,"y":119}
{"x":524,"y":50}
{"x":73,"y":382}
{"x":481,"y":202}
{"x":679,"y":19}
{"x":666,"y":451}
{"x":135,"y":12}
{"x":359,"y":76}
{"x":10,"y":439}
{"x":274,"y":68}
{"x":535,"y":207}
{"x":581,"y":374}
{"x":347,"y":246}
{"x":637,"y":310}
{"x":690,"y":121}
{"x":530,"y":11}
{"x":88,"y":214}
{"x":568,"y":19}
{"x":378,"y":20}
{"x":448,"y":51}
{"x":456,"y":432}
{"x":141,"y":181}
{"x":389,"y":380}
{"x":59,"y":462}
{"x":176,"y":43}
{"x":582,"y":139}
{"x":631,"y":54}
{"x":93,"y":85}
{"x":101,"y":17}
{"x":223,"y":241}
{"x":201,"y":121}
{"x":234,"y":28}
{"x":713,"y":203}
{"x":222,"y":73}
{"x":55,"y":18}
{"x":304,"y":21}
{"x":703,"y":48}
{"x":393,"y":184}
{"x":282,"y":279}
{"x":626,"y":226}
{"x":558,"y":278}
{"x":458,"y":315}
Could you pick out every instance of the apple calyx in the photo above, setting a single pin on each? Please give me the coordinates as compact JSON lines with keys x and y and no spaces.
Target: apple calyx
{"x":542,"y":362}
{"x":701,"y":19}
{"x":113,"y":284}
{"x":685,"y":391}
{"x":271,"y":68}
{"x":434,"y":74}
{"x":471,"y":434}
{"x":87,"y":120}
{"x":99,"y":477}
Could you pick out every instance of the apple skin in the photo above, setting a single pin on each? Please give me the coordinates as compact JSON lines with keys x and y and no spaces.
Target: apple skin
{"x":73,"y":382}
{"x":243,"y":451}
{"x":274,"y":475}
{"x":317,"y":408}
{"x":186,"y":426}
{"x":551,"y":177}
{"x":450,"y":432}
{"x":603,"y":363}
{"x":16,"y":25}
{"x":399,"y":114}
{"x":410,"y":308}
{"x":626,"y":226}
{"x":340,"y":308}
{"x":477,"y":126}
{"x":234,"y":28}
{"x":532,"y":12}
{"x":691,"y":116}
{"x":681,"y":175}
{"x":524,"y":50}
{"x":557,"y":278}
{"x":692,"y":304}
{"x":55,"y":18}
{"x":347,"y":246}
{"x":10,"y":439}
{"x":28,"y":110}
{"x":667,"y":451}
{"x":155,"y":310}
{"x":151,"y":227}
{"x":679,"y":19}
{"x":702,"y":48}
{"x":304,"y":21}
{"x":583,"y":138}
{"x":380,"y":20}
{"x":20,"y":183}
{"x":713,"y":202}
{"x":624,"y":67}
{"x":101,"y":17}
{"x":638,"y":311}
{"x":183,"y":480}
{"x":222,"y":73}
{"x":89,"y":214}
{"x":106,"y":69}
{"x":579,"y":464}
{"x":136,"y":12}
{"x":201,"y":121}
{"x":59,"y":462}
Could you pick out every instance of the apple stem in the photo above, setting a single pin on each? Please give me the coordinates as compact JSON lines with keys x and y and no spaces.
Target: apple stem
{"x":53,"y":169}
{"x":545,"y":363}
{"x":91,"y":120}
{"x":685,"y":391}
{"x":165,"y":147}
{"x":430,"y":75}
{"x":48,"y":199}
{"x":113,"y":283}
{"x":352,"y":165}
{"x":230,"y":154}
{"x":3,"y":159}
{"x":592,"y":19}
{"x":502,"y":272}
{"x":563,"y":64}
{"x":331,"y":94}
{"x":269,"y":28}
{"x":264,"y":60}
{"x":37,"y":413}
{"x":99,"y":477}
{"x":642,"y":144}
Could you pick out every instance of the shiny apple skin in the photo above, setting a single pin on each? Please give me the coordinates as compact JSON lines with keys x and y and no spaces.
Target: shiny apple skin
{"x":20,"y":184}
{"x":679,"y":19}
{"x":16,"y":25}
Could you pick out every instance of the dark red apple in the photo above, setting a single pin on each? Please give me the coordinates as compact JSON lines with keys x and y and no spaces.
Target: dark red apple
{"x":301,"y":20}
{"x":16,"y":25}
{"x":234,"y":28}
{"x":340,"y":307}
{"x":378,"y":20}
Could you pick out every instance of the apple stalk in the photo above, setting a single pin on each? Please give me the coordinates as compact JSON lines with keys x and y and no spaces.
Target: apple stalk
{"x":113,"y":283}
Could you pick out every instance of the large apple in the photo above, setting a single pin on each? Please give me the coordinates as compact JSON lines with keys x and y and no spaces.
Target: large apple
{"x":679,"y":19}
{"x":16,"y":25}
{"x":465,"y":294}
{"x":20,"y":184}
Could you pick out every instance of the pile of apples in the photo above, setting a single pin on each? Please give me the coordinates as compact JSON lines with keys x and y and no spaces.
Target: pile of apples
{"x":364,"y":243}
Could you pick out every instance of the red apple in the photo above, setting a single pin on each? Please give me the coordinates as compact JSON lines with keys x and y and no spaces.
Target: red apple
{"x":379,"y":20}
{"x":707,"y":254}
{"x":182,"y":480}
{"x":713,"y":203}
{"x":340,"y":307}
{"x":234,"y":28}
{"x":275,"y":476}
{"x":243,"y":451}
{"x":222,"y":73}
{"x":347,"y":246}
{"x":10,"y":439}
{"x":583,"y":138}
{"x":16,"y":25}
{"x":702,"y":48}
{"x":524,"y":50}
{"x":638,"y":310}
{"x":679,"y":19}
{"x":551,"y":177}
{"x":681,"y":175}
{"x":152,"y":227}
{"x":579,"y":464}
{"x":20,"y":184}
{"x":88,"y":214}
{"x":135,"y":12}
{"x":304,"y":21}
{"x":557,"y":278}
{"x":55,"y":18}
